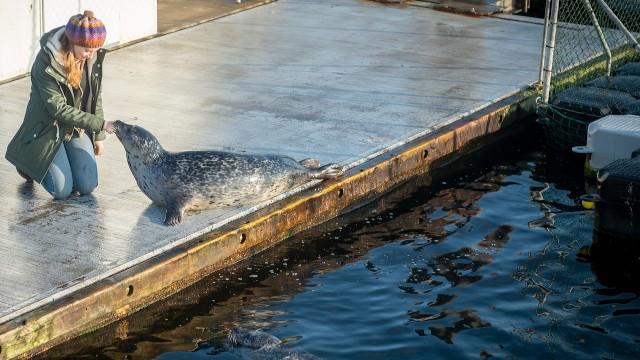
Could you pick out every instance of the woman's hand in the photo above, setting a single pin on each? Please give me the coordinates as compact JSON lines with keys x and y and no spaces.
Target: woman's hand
{"x":108,"y":127}
{"x":98,"y":147}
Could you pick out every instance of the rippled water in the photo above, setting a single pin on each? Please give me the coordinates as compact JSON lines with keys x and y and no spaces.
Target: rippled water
{"x":496,"y":265}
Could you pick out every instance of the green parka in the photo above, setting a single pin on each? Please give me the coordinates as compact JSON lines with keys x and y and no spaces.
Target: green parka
{"x":51,"y":114}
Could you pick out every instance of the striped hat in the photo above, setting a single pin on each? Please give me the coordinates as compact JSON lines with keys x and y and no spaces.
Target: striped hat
{"x":85,"y":30}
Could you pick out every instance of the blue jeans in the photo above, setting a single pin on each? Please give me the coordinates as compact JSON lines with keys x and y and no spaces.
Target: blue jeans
{"x":73,"y":168}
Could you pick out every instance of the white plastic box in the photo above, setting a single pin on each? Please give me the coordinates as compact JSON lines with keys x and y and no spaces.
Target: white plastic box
{"x":610,"y":138}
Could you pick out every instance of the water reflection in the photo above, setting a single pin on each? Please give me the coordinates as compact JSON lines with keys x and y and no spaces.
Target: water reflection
{"x":468,"y":320}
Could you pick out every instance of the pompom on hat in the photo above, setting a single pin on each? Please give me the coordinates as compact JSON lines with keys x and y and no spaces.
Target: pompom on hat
{"x":85,"y":30}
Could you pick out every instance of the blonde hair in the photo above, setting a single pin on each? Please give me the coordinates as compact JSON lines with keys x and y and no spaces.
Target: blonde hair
{"x":72,"y":68}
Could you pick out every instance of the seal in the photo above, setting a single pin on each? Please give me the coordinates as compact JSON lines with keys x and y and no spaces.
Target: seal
{"x":265,"y":346}
{"x":253,"y":339}
{"x":197,"y":180}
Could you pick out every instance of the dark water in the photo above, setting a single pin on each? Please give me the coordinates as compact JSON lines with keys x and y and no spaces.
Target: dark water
{"x":496,"y":265}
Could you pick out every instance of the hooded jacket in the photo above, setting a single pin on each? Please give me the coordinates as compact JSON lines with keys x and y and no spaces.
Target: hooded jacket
{"x":50,"y":113}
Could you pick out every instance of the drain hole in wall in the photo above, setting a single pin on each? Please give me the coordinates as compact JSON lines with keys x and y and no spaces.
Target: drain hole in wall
{"x":130,"y":290}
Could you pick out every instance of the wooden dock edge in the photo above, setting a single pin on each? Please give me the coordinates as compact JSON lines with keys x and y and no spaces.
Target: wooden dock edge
{"x":113,"y":298}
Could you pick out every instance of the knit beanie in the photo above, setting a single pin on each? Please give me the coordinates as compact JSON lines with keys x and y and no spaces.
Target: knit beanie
{"x":85,"y":30}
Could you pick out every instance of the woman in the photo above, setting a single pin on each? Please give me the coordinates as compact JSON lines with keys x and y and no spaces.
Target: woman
{"x":64,"y":127}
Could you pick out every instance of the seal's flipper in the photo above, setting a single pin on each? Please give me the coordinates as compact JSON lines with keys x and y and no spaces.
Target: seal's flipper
{"x":328,"y":171}
{"x":310,"y":163}
{"x":174,"y":215}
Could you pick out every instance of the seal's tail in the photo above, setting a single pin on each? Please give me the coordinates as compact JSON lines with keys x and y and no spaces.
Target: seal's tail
{"x":328,"y":171}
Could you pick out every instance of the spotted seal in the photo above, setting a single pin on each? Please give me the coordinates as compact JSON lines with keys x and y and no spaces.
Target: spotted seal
{"x":265,"y":346}
{"x":253,"y":339}
{"x":180,"y":181}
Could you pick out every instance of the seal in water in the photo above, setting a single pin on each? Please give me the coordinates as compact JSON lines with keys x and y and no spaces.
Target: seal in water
{"x":266,"y":346}
{"x":254,"y":339}
{"x":179,"y":181}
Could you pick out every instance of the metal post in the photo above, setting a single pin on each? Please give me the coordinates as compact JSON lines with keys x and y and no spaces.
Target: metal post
{"x":547,"y":9}
{"x":603,"y":40}
{"x":551,"y":44}
{"x":619,"y":23}
{"x":42,"y":17}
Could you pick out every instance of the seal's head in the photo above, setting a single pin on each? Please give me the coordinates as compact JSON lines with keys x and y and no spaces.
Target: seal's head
{"x":138,"y":141}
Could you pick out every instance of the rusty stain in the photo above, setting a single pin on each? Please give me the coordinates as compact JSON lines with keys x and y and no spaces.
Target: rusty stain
{"x":122,"y":331}
{"x":460,"y":11}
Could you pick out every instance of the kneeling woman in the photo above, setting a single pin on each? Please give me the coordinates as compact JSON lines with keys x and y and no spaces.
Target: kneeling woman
{"x":64,"y":127}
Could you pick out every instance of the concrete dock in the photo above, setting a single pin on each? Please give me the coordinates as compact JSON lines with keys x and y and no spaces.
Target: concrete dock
{"x":341,"y":80}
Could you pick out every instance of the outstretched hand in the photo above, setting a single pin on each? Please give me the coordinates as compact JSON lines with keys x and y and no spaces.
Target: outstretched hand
{"x":109,"y":127}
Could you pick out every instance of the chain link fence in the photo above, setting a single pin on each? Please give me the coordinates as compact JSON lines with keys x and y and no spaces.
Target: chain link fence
{"x":592,"y":73}
{"x":578,"y":41}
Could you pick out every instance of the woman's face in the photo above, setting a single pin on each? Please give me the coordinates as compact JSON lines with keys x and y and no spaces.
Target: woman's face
{"x":83,"y":53}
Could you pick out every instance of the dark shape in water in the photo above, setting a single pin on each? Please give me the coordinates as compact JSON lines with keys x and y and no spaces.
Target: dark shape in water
{"x":469,"y":320}
{"x":266,"y":346}
{"x":497,"y":238}
{"x":593,"y":328}
{"x":418,"y":316}
{"x":626,"y":312}
{"x":485,"y":354}
{"x":371,"y":267}
{"x":546,"y":222}
{"x":442,"y":299}
{"x":253,"y":339}
{"x":451,"y":265}
{"x":419,"y":275}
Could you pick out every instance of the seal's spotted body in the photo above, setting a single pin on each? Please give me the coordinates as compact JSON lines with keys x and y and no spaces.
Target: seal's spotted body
{"x":209,"y":179}
{"x":238,"y":178}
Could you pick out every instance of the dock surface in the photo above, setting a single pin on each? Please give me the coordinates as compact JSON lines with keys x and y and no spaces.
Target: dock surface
{"x":339,"y":80}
